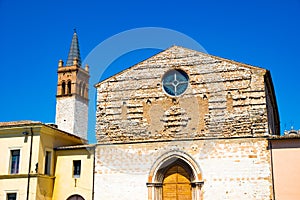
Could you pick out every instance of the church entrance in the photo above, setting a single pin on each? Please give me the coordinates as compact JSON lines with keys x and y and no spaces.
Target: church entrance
{"x":75,"y":197}
{"x":177,"y":184}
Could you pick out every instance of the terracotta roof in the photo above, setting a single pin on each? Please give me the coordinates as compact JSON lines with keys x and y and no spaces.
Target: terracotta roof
{"x":29,"y":122}
{"x":286,"y":136}
{"x":16,"y":123}
{"x":76,"y":147}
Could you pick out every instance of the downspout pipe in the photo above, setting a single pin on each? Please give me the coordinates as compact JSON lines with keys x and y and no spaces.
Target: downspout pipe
{"x":94,"y":165}
{"x":29,"y":164}
{"x":272,"y":170}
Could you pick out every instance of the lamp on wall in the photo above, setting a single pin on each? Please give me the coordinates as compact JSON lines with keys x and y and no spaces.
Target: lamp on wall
{"x":25,"y":133}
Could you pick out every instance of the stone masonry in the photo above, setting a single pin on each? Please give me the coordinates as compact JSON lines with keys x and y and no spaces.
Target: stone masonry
{"x":229,"y":99}
{"x":230,"y":168}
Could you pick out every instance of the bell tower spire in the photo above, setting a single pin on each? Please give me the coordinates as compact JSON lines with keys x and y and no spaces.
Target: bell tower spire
{"x":74,"y":50}
{"x":72,"y":93}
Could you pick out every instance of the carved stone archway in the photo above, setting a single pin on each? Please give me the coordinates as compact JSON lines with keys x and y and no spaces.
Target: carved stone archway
{"x":163,"y":164}
{"x":75,"y":197}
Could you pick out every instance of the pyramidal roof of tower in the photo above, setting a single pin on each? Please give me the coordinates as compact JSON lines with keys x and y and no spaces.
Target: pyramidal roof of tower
{"x":74,"y":51}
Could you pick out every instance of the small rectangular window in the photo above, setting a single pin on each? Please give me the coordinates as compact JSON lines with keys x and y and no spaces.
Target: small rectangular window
{"x":48,"y":162}
{"x":15,"y":161}
{"x":76,"y":168}
{"x":11,"y":196}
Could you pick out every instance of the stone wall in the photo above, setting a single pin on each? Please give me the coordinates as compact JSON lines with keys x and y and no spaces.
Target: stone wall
{"x":224,"y":99}
{"x":230,"y":168}
{"x":72,"y":115}
{"x":65,"y":113}
{"x":81,"y":119}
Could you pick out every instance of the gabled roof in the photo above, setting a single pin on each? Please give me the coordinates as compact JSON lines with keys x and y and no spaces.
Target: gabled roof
{"x":18,"y":123}
{"x":85,"y":146}
{"x":174,"y":50}
{"x":282,"y":137}
{"x":28,"y":123}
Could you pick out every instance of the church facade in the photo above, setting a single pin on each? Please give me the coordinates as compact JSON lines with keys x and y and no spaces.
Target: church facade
{"x":185,"y":125}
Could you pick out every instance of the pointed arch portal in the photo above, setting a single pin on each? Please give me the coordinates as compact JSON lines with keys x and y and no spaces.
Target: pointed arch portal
{"x":175,"y":176}
{"x":75,"y":197}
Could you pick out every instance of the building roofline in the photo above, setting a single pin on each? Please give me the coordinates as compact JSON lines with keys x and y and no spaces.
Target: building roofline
{"x":270,"y":85}
{"x":174,"y":46}
{"x":29,"y":123}
{"x":86,"y":146}
{"x":284,"y":137}
{"x":19,"y":123}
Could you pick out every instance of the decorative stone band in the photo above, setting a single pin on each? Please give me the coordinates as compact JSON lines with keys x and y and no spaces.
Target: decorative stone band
{"x":154,"y":184}
{"x":193,"y":184}
{"x":197,"y":184}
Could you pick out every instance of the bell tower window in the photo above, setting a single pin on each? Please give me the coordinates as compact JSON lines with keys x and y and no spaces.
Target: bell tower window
{"x":83,"y":90}
{"x":63,"y":88}
{"x":79,"y":88}
{"x":69,"y":87}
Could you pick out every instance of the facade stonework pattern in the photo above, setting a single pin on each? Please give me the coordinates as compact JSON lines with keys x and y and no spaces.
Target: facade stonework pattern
{"x":230,"y":98}
{"x":230,"y":168}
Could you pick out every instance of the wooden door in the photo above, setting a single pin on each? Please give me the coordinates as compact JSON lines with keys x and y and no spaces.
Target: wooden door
{"x":176,"y":184}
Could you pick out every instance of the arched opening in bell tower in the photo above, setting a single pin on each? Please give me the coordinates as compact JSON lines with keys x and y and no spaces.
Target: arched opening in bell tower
{"x":69,"y":87}
{"x":63,"y":88}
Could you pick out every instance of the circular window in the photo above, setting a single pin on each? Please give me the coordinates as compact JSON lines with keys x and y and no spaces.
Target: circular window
{"x":175,"y":82}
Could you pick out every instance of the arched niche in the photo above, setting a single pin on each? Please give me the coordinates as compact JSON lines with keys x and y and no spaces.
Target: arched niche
{"x":63,"y":88}
{"x":165,"y":165}
{"x":69,"y":85}
{"x":75,"y":197}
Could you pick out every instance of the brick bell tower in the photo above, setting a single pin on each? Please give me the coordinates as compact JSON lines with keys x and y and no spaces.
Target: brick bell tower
{"x":72,"y":93}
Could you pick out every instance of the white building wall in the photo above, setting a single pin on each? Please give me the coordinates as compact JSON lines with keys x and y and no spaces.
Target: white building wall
{"x":65,"y":113}
{"x":72,"y":115}
{"x":81,"y":119}
{"x":231,"y":168}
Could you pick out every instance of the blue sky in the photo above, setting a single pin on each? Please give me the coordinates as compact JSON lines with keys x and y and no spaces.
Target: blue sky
{"x":34,"y":35}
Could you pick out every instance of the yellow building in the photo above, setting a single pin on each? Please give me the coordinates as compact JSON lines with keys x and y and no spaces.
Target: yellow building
{"x":71,"y":182}
{"x":28,"y":158}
